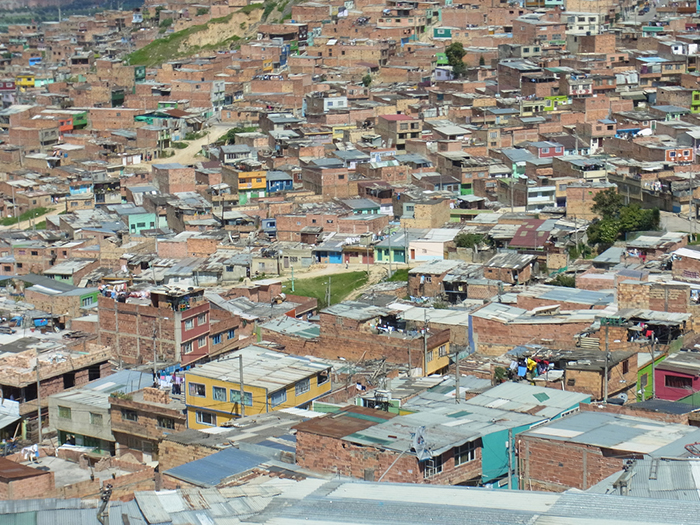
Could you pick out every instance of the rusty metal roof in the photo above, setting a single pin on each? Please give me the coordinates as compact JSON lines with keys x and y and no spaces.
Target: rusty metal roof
{"x":346,"y":422}
{"x":11,"y":471}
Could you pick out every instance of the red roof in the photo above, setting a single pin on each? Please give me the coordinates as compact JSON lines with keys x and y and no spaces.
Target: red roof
{"x":396,"y":117}
{"x":527,"y":235}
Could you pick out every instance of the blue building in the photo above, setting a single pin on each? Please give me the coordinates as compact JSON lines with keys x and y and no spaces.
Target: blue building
{"x":279,"y":181}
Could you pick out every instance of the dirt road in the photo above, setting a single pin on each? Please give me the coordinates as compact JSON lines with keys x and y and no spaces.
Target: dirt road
{"x":188,"y":154}
{"x":54,"y":210}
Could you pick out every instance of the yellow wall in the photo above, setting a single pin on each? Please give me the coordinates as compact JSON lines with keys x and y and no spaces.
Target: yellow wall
{"x":338,"y":130}
{"x":437,"y":362}
{"x":25,"y":81}
{"x":247,"y":180}
{"x":225,"y":410}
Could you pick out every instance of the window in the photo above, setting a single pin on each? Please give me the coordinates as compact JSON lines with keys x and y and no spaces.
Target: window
{"x":216,"y":339}
{"x":403,"y":126}
{"x":64,"y":412}
{"x":545,"y":151}
{"x":202,"y":342}
{"x":189,"y":324}
{"x":187,"y":348}
{"x":429,"y":355}
{"x":166,"y":422}
{"x":672,"y":154}
{"x":676,"y":382}
{"x":201,"y":319}
{"x":229,"y":268}
{"x":96,"y":419}
{"x":465,"y":453}
{"x":236,"y":397}
{"x":205,"y":418}
{"x":322,"y":377}
{"x":7,"y":268}
{"x":302,"y":387}
{"x":625,"y":366}
{"x":129,"y":415}
{"x":219,"y":393}
{"x":198,"y":390}
{"x":231,"y":334}
{"x":87,"y":301}
{"x":557,"y":149}
{"x":686,"y":153}
{"x":35,"y":253}
{"x":277,"y":398}
{"x":442,"y":351}
{"x":432,"y":467}
{"x":341,"y":177}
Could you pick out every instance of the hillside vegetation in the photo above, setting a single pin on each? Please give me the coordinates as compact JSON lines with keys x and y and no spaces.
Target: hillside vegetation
{"x":218,"y":33}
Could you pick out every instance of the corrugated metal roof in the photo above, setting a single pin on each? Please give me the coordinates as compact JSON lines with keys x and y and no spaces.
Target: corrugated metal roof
{"x":213,"y":470}
{"x":529,"y":399}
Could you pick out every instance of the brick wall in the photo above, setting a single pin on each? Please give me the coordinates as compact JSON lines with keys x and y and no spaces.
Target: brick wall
{"x":495,"y":338}
{"x":336,"y":456}
{"x":654,"y":296}
{"x":172,"y":454}
{"x":35,"y":487}
{"x":556,"y":466}
{"x":629,"y":410}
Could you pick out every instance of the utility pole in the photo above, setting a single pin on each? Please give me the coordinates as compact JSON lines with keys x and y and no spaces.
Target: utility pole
{"x":458,"y":388}
{"x":38,"y":394}
{"x":328,"y":292}
{"x":425,"y":344}
{"x":155,"y":372}
{"x":653,"y":358}
{"x":607,"y":364}
{"x":390,"y":252}
{"x":510,"y":458}
{"x":292,"y":279}
{"x":240,"y":378}
{"x":103,"y":511}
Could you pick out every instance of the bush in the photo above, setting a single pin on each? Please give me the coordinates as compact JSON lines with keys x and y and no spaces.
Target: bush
{"x":569,"y":281}
{"x":166,"y":23}
{"x":251,"y":7}
{"x":202,"y":11}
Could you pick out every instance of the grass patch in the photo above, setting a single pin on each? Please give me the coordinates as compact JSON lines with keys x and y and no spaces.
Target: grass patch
{"x":179,"y":145}
{"x":29,"y":214}
{"x":342,"y":285}
{"x":39,"y":226}
{"x":168,"y":47}
{"x":251,"y":7}
{"x":399,"y":276}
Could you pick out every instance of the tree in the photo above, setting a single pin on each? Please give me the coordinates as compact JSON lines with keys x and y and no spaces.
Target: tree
{"x":608,"y":204}
{"x":482,"y":62}
{"x":455,"y":52}
{"x":367,"y":80}
{"x":469,"y":240}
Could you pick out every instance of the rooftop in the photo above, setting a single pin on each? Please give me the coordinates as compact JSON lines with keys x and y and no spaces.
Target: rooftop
{"x":262,"y":368}
{"x":620,"y":433}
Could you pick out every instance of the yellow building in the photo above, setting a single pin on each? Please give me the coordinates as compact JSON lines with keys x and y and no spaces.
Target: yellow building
{"x":271,"y":381}
{"x":24,"y":80}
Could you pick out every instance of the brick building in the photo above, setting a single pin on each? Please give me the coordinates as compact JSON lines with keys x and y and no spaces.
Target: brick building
{"x":148,"y":415}
{"x":371,"y":444}
{"x":173,"y":178}
{"x":19,"y":481}
{"x":583,"y":449}
{"x":176,"y":321}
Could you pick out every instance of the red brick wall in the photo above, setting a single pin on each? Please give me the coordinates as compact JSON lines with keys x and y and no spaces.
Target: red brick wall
{"x":335,"y":456}
{"x":29,"y":488}
{"x":555,"y":466}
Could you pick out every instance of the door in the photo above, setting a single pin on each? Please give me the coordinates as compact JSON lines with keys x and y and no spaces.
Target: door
{"x":413,"y":254}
